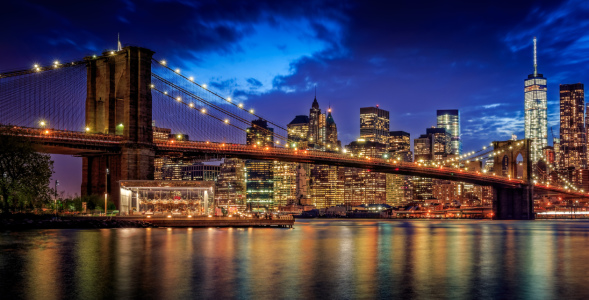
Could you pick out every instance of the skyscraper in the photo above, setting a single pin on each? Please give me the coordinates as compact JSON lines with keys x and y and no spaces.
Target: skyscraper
{"x":298,"y":131}
{"x":331,"y":141}
{"x":231,"y":186}
{"x":374,"y":124}
{"x":449,"y":119}
{"x":432,"y":146}
{"x":399,"y":187}
{"x":315,"y":123}
{"x":573,"y":145}
{"x":536,"y":118}
{"x":260,"y":174}
{"x":572,"y":126}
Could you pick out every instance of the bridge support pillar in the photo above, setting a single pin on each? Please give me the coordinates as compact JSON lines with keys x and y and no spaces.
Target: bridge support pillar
{"x":513,"y":203}
{"x":102,"y":174}
{"x":118,"y":102}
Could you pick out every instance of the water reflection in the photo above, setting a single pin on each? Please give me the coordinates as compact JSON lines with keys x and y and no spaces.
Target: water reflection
{"x":319,"y":258}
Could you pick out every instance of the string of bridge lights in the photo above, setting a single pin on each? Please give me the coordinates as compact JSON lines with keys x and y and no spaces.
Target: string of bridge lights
{"x":203,"y":110}
{"x":204,"y":86}
{"x":220,"y":109}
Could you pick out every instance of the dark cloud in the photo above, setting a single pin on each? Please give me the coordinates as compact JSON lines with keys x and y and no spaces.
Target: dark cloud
{"x":254,"y":83}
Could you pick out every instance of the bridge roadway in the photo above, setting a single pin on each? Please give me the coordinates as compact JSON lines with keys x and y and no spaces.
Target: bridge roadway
{"x":81,"y":143}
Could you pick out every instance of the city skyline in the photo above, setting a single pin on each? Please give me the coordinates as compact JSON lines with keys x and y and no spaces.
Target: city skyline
{"x":474,"y":64}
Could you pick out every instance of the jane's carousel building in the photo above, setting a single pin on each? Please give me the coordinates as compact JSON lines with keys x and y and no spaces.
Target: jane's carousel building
{"x":162,"y":196}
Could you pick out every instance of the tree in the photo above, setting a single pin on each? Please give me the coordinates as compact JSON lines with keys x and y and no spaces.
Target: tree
{"x":24,"y":174}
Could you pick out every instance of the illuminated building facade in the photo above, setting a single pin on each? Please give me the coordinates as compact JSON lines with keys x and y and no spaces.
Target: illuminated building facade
{"x":316,"y":120}
{"x":430,"y":147}
{"x":326,"y":185}
{"x":331,"y":141}
{"x":171,"y":169}
{"x":298,"y":132}
{"x":200,"y":172}
{"x":399,"y":187}
{"x":399,"y":141}
{"x":260,"y":174}
{"x":231,"y":185}
{"x":536,"y":118}
{"x":161,"y":134}
{"x":374,"y":124}
{"x":364,"y":186}
{"x":449,"y":119}
{"x":285,"y":183}
{"x":573,"y":142}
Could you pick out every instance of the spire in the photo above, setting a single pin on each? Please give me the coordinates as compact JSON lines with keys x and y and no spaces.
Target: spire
{"x":119,"y":46}
{"x":329,"y":119}
{"x":535,"y":61}
{"x":315,"y":103}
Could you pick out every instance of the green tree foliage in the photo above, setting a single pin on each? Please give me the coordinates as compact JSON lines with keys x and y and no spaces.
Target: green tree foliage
{"x":24,"y":175}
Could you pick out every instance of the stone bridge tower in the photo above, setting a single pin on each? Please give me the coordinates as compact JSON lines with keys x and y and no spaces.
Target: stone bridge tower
{"x":513,"y":203}
{"x":119,"y":103}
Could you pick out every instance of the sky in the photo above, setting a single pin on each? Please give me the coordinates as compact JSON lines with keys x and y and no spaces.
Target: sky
{"x":409,"y":57}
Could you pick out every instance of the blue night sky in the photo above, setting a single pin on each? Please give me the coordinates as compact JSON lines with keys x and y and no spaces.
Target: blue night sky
{"x":409,"y":57}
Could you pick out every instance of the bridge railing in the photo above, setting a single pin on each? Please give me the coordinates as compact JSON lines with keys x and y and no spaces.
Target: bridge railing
{"x":110,"y":140}
{"x":62,"y":135}
{"x":334,"y":157}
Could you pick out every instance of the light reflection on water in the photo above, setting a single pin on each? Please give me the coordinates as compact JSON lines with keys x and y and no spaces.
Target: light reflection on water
{"x":319,"y":258}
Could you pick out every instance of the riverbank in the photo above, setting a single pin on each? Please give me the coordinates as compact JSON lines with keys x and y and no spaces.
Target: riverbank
{"x":32,"y":221}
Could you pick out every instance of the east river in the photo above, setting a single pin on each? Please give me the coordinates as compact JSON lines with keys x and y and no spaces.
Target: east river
{"x":330,"y":259}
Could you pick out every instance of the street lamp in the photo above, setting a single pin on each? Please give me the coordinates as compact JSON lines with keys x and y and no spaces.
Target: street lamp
{"x":55,"y":198}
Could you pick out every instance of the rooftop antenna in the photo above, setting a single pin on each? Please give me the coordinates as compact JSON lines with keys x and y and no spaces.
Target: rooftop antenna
{"x":315,"y":91}
{"x":535,"y":61}
{"x":119,"y":46}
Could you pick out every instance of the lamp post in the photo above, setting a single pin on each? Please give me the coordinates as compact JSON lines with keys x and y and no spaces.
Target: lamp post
{"x":55,"y":198}
{"x":106,"y":189}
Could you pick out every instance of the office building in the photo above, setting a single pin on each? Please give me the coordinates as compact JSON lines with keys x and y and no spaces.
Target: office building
{"x":298,"y":132}
{"x":231,"y":183}
{"x":374,"y":124}
{"x":449,"y":119}
{"x":399,"y":141}
{"x":536,"y":118}
{"x":200,"y":172}
{"x":573,"y":143}
{"x":260,"y":173}
{"x":434,"y":146}
{"x":399,"y":187}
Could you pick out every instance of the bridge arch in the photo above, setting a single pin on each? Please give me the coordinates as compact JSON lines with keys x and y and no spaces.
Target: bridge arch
{"x":511,"y":156}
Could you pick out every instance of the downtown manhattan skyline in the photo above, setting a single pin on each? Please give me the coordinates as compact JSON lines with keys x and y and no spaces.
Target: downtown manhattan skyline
{"x":409,"y":58}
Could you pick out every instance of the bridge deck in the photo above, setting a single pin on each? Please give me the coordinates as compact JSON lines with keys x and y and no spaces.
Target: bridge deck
{"x":81,"y":143}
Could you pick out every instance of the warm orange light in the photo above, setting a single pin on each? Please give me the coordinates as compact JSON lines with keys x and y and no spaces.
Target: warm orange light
{"x":46,"y":131}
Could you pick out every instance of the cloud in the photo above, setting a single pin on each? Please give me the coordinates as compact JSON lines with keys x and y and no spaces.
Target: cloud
{"x":564,"y":27}
{"x":494,"y":105}
{"x":254,"y":83}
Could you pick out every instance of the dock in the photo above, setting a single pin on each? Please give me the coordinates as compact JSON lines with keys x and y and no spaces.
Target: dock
{"x":185,"y":221}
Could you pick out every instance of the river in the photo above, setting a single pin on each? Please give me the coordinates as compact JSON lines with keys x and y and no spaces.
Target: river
{"x":335,"y":259}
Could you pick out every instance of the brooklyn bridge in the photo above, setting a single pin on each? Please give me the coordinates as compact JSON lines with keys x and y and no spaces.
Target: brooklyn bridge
{"x":106,"y":109}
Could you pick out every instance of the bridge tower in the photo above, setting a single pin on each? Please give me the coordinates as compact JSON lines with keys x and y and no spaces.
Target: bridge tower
{"x":513,"y":203}
{"x":119,"y":103}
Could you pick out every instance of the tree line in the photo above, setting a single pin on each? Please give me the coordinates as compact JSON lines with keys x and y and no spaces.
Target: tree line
{"x":25,"y":175}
